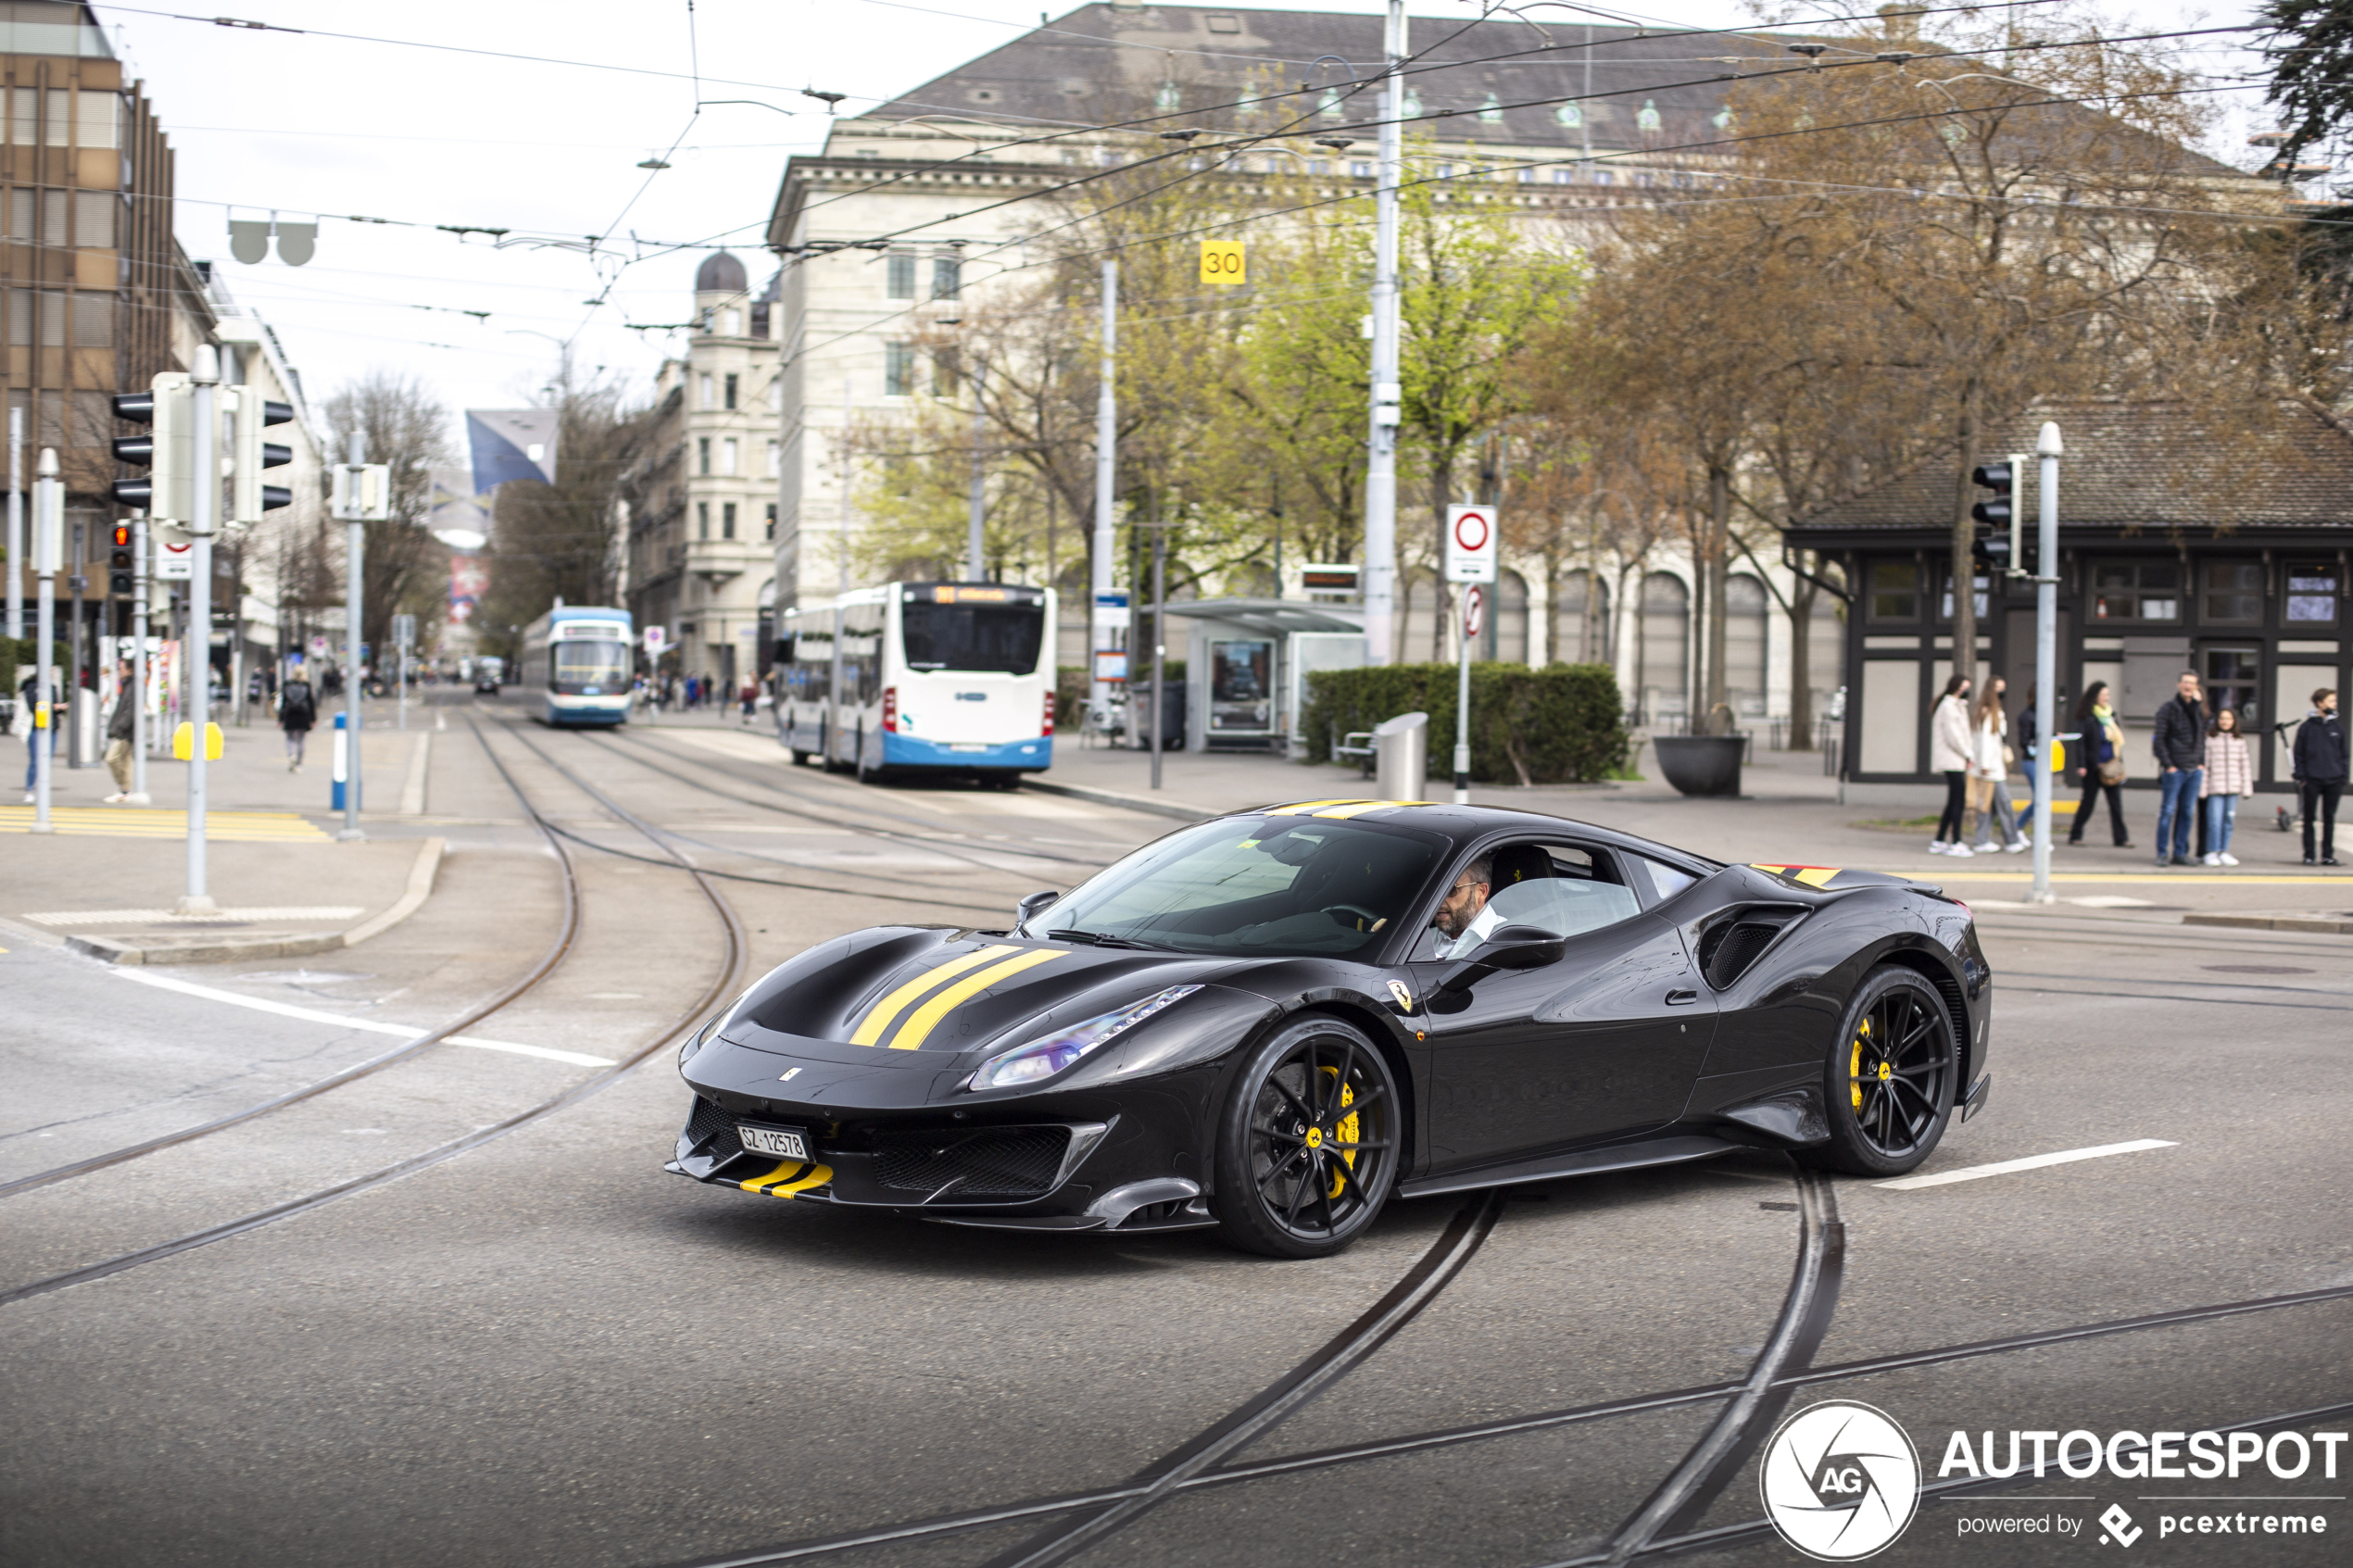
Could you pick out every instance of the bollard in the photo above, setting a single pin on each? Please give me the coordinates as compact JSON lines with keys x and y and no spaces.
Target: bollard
{"x":342,"y":760}
{"x":1400,"y":757}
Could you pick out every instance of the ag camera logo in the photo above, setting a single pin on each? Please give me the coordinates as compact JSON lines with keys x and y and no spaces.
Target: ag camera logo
{"x":1840,"y":1481}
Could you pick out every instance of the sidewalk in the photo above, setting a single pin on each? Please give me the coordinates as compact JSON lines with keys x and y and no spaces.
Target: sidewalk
{"x":107,"y":879}
{"x":1789,"y":814}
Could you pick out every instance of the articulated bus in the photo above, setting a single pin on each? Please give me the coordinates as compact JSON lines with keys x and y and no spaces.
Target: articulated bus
{"x":931,"y":678}
{"x":577,"y":665}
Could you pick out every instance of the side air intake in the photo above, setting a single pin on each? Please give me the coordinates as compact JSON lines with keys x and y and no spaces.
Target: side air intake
{"x":1731,"y":944}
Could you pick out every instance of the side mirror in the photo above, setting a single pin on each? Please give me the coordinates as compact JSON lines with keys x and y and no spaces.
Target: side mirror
{"x":1507,"y":947}
{"x":1035,"y":903}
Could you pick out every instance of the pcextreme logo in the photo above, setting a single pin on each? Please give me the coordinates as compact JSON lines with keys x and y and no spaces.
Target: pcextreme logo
{"x":1840,"y":1481}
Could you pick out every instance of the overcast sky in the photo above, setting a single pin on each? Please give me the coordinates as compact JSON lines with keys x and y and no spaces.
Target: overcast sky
{"x":307,"y":123}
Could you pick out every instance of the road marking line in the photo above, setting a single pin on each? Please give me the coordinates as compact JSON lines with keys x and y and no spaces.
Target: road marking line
{"x":315,"y":1015}
{"x":2033,"y":1162}
{"x":155,"y":917}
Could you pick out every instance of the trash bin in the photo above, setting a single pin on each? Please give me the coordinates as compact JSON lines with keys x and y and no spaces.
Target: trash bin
{"x":1400,"y":757}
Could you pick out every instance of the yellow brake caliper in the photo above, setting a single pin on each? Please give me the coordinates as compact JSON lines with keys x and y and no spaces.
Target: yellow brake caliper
{"x":1344,"y":1132}
{"x":1855,"y":1067}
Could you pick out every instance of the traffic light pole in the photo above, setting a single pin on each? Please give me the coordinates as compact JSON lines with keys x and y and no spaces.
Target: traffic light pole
{"x":16,"y":523}
{"x":137,"y":695}
{"x":1099,"y":572}
{"x":2046,"y":561}
{"x":48,"y":529}
{"x":356,"y":548}
{"x":204,"y":511}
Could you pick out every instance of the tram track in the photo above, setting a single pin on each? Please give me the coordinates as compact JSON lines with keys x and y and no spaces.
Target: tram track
{"x":730,"y":979}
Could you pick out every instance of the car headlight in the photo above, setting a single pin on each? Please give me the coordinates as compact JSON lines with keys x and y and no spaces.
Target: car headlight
{"x":1042,"y":1058}
{"x":693,"y":1043}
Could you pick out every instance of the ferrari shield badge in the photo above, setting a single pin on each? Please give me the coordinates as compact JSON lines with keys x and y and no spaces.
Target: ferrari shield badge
{"x":1405,"y":997}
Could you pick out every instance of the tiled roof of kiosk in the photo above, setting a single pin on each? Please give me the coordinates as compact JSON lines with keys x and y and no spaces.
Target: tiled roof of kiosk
{"x":2156,"y":466}
{"x":1100,"y":62}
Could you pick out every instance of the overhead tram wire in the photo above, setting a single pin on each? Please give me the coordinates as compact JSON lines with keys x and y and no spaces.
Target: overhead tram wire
{"x":735,"y":958}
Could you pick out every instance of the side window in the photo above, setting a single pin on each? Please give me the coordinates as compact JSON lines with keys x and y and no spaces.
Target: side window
{"x":1566,"y":889}
{"x":1665,"y":880}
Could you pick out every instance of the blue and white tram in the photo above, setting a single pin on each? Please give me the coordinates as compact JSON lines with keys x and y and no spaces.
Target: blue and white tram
{"x":931,"y":678}
{"x":577,"y":663}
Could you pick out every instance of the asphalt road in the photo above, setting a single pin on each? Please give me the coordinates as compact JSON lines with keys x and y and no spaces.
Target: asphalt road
{"x":545,"y":1352}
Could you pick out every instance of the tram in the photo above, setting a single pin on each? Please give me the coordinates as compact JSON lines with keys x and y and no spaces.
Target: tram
{"x":577,"y":665}
{"x":939,"y":678}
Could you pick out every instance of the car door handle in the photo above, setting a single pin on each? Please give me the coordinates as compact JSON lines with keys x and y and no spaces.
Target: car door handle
{"x":1682,"y":998}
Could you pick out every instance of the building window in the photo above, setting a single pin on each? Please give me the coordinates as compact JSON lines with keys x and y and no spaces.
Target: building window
{"x":1564,"y":176}
{"x":776,"y":395}
{"x":702,"y":390}
{"x":776,"y":459}
{"x":94,"y":219}
{"x":731,"y":324}
{"x":947,"y":277}
{"x":728,"y":521}
{"x":2129,"y":590}
{"x":899,"y":274}
{"x":702,"y":454}
{"x":1895,"y":590}
{"x":772,"y":522}
{"x":728,"y":456}
{"x":730,"y":395}
{"x":702,"y":520}
{"x":945,"y":368}
{"x":2312,"y":594}
{"x":1980,"y":592}
{"x":100,"y":115}
{"x":2231,"y":592}
{"x":899,"y":369}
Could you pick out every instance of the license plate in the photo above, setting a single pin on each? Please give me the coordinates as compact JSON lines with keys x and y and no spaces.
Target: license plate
{"x":775,"y":1141}
{"x":967,"y":745}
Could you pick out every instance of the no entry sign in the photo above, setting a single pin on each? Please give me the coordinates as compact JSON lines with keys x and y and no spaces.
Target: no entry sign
{"x":1470,"y":544}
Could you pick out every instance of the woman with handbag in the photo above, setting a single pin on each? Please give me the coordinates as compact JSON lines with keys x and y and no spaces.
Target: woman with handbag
{"x":1988,"y":772}
{"x":1948,"y":753}
{"x":2098,"y":755}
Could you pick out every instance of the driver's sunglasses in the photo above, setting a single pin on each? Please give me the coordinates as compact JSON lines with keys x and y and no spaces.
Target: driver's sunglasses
{"x":1461,"y":888}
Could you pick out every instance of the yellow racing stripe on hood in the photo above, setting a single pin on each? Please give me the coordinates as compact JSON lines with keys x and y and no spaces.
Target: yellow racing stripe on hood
{"x":887,"y":1011}
{"x":927,"y":1018}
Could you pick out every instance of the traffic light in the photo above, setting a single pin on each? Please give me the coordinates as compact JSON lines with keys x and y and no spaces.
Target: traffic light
{"x":248,"y":497}
{"x":1995,"y":546}
{"x":169,"y":452}
{"x":119,"y":562}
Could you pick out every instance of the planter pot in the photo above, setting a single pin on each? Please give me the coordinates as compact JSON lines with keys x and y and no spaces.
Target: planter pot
{"x":1701,"y":765}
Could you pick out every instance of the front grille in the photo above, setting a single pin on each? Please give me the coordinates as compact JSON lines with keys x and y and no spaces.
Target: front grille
{"x":982,"y":1163}
{"x":713,"y":1131}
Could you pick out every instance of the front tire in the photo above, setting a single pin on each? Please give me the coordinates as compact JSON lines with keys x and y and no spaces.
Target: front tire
{"x":1890,"y":1078}
{"x":1308,"y":1144}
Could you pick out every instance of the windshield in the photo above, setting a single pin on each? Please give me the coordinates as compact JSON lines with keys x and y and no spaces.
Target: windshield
{"x":1257,"y":887}
{"x":991,"y":639}
{"x":583,"y":663}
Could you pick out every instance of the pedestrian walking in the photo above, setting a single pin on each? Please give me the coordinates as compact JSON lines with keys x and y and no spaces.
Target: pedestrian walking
{"x":119,"y":723}
{"x":2178,"y":743}
{"x":2099,"y":757}
{"x":2230,"y":778}
{"x":20,"y":724}
{"x":750,"y":698}
{"x":1989,"y":780}
{"x":2319,"y":772}
{"x":298,"y":710}
{"x":1948,"y":753}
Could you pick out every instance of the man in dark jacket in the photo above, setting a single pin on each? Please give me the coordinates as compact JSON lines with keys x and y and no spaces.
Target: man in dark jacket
{"x":298,"y":710}
{"x":119,"y":726}
{"x":2180,"y":744}
{"x":2320,"y":769}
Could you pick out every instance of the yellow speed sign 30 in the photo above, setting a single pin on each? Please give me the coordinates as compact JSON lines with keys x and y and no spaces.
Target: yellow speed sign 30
{"x":1221,"y":261}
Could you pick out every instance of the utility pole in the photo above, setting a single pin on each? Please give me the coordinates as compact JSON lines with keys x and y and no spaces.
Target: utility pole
{"x":137,"y":695}
{"x":204,"y":511}
{"x":1099,"y":618}
{"x":841,"y":592}
{"x":2049,"y":449}
{"x":973,"y":562}
{"x":16,"y":523}
{"x":362,"y":494}
{"x":1160,"y":640}
{"x":1380,"y":473}
{"x":48,"y":532}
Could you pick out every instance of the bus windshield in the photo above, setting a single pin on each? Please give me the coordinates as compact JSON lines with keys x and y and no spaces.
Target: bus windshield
{"x":586,"y":664}
{"x":991,"y":639}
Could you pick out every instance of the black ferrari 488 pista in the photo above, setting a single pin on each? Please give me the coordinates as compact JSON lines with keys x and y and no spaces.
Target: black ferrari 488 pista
{"x":1274,"y":1020}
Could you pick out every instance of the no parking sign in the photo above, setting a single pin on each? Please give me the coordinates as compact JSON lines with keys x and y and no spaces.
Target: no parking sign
{"x":1470,"y":544}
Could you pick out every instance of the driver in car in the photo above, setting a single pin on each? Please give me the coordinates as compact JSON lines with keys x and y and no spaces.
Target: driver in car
{"x":1465,"y":918}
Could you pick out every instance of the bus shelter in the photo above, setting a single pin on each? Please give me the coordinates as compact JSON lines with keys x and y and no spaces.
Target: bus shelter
{"x":1247,"y":663}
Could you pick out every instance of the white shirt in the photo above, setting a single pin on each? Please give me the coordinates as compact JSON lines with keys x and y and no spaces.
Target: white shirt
{"x":1481,"y":926}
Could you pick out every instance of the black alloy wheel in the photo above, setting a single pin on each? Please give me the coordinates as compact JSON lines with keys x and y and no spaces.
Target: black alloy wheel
{"x":1308,"y":1147}
{"x":1889,"y":1077}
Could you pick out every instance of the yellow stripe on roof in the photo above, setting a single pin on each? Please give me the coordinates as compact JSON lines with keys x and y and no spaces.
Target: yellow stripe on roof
{"x":927,"y":1018}
{"x":1358,"y":808}
{"x":869,"y":1029}
{"x":1296,"y":806}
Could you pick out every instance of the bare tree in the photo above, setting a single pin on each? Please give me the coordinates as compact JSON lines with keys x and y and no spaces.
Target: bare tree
{"x":405,"y":428}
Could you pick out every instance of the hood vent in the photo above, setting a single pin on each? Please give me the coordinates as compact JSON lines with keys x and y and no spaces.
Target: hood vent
{"x":1734,"y":943}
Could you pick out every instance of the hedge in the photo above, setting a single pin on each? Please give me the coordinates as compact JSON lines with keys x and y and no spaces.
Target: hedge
{"x":1564,"y":723}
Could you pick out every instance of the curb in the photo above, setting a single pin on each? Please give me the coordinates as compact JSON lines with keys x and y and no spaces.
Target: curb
{"x":2276,"y":922}
{"x":230,"y":950}
{"x":1124,"y":802}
